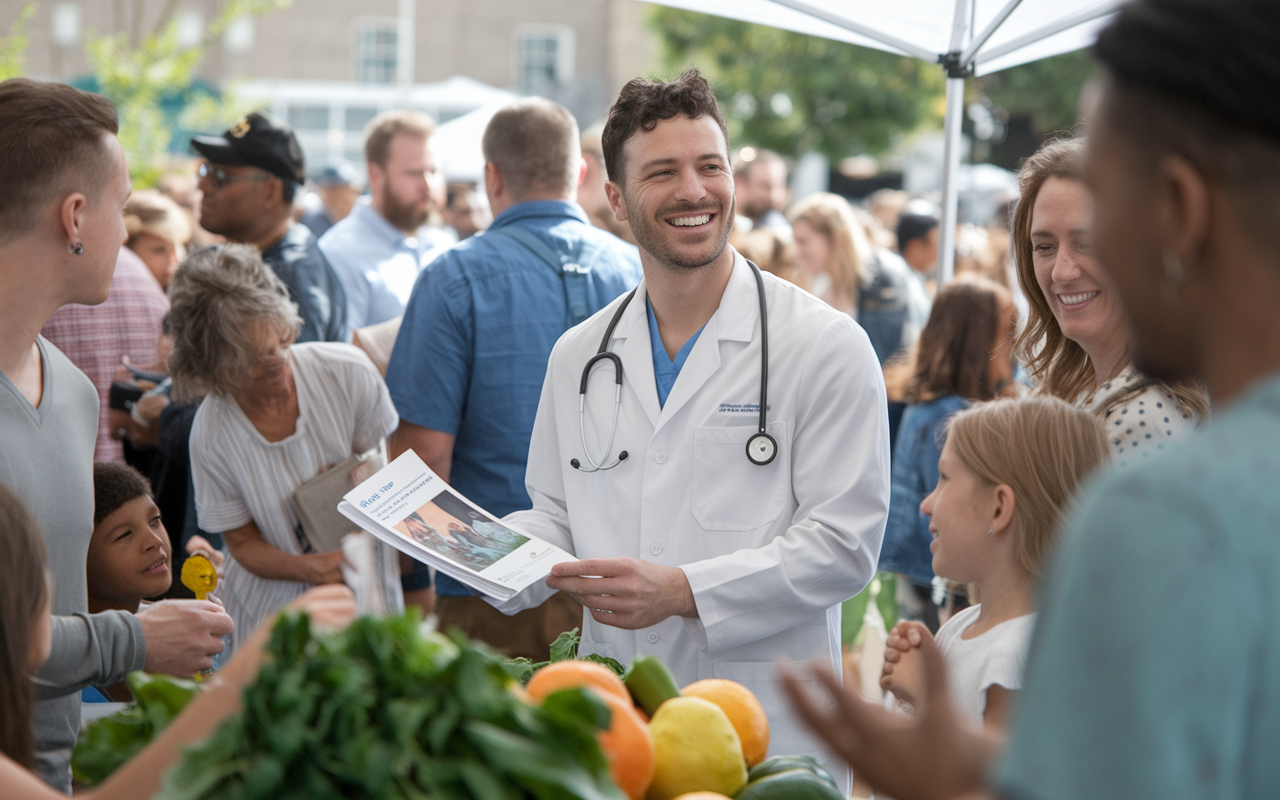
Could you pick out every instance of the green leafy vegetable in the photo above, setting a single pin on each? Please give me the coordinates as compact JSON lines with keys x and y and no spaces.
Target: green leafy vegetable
{"x":109,"y":742}
{"x":382,"y":710}
{"x":564,"y":648}
{"x":611,"y":663}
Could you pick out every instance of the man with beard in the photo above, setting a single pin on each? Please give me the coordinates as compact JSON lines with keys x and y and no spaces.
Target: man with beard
{"x":249,"y":179}
{"x":760,"y":185}
{"x":717,"y":527}
{"x":472,"y":351}
{"x":382,"y":245}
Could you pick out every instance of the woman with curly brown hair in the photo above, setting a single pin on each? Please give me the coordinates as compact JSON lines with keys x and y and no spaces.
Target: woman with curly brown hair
{"x":1075,"y":345}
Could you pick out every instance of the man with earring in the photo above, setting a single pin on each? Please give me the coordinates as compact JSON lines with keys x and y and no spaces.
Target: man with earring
{"x":61,"y":228}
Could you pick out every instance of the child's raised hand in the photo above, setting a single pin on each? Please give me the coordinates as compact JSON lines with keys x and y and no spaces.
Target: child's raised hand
{"x":330,"y":606}
{"x":903,"y":672}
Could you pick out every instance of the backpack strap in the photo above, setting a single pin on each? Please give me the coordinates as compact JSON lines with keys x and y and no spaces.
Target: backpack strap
{"x":573,"y":268}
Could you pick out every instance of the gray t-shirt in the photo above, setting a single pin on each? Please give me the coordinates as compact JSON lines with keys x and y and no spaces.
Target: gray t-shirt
{"x":46,"y":458}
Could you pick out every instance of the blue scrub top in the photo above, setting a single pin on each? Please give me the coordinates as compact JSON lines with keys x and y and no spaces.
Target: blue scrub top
{"x":666,"y":370}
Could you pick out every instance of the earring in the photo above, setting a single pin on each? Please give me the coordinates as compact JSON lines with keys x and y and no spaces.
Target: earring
{"x":991,"y":532}
{"x":76,"y":249}
{"x":1175,"y":274}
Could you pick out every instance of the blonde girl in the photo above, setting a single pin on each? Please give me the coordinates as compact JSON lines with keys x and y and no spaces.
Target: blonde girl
{"x":1008,"y":471}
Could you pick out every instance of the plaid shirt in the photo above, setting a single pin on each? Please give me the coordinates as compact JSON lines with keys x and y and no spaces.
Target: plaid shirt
{"x":96,"y":338}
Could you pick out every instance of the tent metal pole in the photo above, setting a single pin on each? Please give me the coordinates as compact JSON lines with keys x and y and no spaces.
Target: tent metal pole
{"x":951,"y":149}
{"x":1066,"y":23}
{"x":981,"y":39}
{"x":858,"y":28}
{"x":950,"y":180}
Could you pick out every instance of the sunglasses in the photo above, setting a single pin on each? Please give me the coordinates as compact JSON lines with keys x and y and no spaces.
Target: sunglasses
{"x":221,"y":178}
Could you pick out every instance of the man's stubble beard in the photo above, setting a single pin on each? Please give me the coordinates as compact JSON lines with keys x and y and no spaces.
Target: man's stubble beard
{"x":650,"y":239}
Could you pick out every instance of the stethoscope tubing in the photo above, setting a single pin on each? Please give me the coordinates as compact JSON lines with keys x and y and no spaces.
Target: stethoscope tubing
{"x":761,"y":441}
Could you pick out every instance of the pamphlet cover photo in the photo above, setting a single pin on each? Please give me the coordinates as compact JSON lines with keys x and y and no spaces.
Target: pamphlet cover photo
{"x":454,"y":529}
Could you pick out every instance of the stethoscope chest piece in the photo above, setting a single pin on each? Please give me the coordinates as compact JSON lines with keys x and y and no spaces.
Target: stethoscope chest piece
{"x":761,"y":449}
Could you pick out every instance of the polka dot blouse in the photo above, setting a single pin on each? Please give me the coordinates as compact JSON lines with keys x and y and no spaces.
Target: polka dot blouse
{"x":1139,"y":424}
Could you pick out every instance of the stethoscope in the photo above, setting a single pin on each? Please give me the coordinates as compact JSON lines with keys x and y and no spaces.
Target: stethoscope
{"x":761,"y":447}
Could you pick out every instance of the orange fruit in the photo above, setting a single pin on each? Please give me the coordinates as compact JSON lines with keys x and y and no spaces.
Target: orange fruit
{"x":744,"y":712}
{"x":628,"y":747}
{"x":567,"y":674}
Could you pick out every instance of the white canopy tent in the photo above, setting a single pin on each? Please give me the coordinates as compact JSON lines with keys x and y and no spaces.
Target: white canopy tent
{"x":965,"y":37}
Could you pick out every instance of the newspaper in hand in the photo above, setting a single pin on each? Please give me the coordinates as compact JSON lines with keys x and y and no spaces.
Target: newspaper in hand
{"x":409,"y":507}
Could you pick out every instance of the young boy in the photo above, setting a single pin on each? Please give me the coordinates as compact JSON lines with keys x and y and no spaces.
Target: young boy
{"x":129,"y":558}
{"x":129,"y":551}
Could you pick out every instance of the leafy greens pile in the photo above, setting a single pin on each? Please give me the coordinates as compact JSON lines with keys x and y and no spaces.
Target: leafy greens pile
{"x":564,"y":648}
{"x":383,"y":711}
{"x":109,"y":742}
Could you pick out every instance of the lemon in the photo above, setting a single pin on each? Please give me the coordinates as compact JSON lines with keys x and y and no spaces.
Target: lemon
{"x":695,"y":749}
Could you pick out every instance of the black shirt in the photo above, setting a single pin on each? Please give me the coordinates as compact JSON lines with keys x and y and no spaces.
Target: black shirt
{"x":313,"y":285}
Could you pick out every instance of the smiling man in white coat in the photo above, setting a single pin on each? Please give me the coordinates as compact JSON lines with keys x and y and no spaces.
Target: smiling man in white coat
{"x":702,"y":541}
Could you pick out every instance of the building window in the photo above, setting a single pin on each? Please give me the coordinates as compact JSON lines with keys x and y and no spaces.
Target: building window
{"x":358,"y":116}
{"x":376,"y":51}
{"x":190,"y":28}
{"x":66,"y":23}
{"x":309,"y":118}
{"x":238,"y":37}
{"x":544,"y":57}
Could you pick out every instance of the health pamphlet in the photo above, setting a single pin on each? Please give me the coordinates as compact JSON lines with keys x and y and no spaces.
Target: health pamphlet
{"x":409,"y":507}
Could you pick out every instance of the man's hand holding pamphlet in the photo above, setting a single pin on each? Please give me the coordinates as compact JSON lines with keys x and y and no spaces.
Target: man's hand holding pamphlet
{"x":409,"y":507}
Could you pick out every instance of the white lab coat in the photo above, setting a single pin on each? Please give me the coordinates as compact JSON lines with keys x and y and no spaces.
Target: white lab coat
{"x":770,"y":552}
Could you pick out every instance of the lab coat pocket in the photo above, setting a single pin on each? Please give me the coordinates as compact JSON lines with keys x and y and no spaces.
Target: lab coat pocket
{"x":730,"y":493}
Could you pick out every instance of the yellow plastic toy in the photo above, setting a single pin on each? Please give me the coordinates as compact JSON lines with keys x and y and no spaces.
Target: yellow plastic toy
{"x":199,"y":576}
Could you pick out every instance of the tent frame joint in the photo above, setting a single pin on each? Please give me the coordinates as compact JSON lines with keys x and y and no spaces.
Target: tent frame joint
{"x":954,"y":66}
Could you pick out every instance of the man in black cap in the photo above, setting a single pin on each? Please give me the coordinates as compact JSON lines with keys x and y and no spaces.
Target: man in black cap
{"x":249,"y":178}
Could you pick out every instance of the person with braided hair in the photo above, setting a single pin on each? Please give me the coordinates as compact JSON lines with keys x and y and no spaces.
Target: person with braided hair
{"x":1155,"y":666}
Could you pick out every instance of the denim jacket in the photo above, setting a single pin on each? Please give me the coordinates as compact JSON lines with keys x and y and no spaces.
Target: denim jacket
{"x":915,"y":473}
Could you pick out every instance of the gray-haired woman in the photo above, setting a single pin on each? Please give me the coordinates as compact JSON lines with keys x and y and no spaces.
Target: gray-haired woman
{"x":275,"y":415}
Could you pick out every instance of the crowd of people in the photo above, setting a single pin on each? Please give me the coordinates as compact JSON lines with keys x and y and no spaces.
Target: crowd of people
{"x":1082,"y":553}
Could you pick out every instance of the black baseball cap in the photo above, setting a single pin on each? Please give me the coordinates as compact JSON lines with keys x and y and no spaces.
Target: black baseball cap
{"x":256,"y":140}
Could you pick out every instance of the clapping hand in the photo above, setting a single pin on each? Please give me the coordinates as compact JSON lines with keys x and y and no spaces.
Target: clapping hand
{"x":934,"y":755}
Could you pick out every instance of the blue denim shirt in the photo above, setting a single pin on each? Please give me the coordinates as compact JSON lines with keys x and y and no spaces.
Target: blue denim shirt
{"x":915,"y":473}
{"x":472,"y":351}
{"x":376,"y":262}
{"x":313,"y":285}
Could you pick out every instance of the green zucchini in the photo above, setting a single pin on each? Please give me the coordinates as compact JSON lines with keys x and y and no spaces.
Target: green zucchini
{"x":650,"y":683}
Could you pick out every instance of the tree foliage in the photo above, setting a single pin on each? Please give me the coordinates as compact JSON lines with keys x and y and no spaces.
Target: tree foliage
{"x":1046,"y":91}
{"x":795,"y":93}
{"x":13,"y":48}
{"x":135,"y":72}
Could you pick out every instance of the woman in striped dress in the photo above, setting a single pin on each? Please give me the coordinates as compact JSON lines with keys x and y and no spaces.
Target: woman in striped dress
{"x":275,"y":414}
